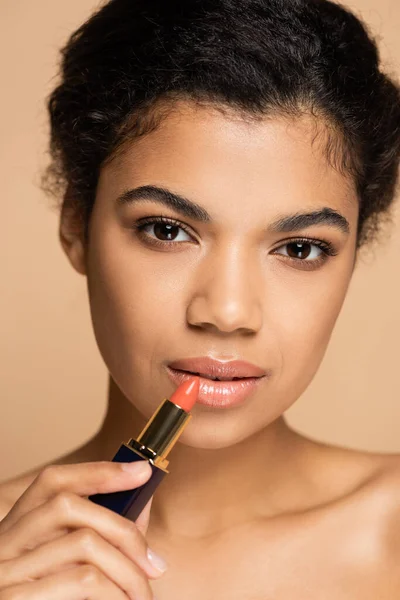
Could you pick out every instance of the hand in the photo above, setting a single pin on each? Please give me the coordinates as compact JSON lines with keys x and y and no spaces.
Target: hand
{"x":55,"y":543}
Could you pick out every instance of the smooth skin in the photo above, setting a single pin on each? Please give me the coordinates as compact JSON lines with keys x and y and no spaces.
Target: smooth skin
{"x":57,"y":544}
{"x":251,"y":509}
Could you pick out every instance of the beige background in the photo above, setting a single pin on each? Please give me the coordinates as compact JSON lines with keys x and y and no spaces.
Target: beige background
{"x":53,"y":382}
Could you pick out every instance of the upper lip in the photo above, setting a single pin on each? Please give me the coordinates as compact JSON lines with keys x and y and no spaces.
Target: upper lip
{"x":211,"y":368}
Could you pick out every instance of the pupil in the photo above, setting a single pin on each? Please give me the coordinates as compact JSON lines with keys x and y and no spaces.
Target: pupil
{"x":298,"y":250}
{"x":164,"y":231}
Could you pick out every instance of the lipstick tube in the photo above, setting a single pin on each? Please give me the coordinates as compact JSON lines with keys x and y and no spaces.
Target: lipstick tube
{"x":153,"y":444}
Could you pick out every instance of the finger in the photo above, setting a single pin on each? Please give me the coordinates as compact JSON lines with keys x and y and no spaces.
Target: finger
{"x":83,"y":479}
{"x":66,"y":512}
{"x":83,"y":582}
{"x":142,"y":522}
{"x":82,"y":546}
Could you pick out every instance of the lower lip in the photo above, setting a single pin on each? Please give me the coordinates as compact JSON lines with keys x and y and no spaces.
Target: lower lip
{"x":219,"y":394}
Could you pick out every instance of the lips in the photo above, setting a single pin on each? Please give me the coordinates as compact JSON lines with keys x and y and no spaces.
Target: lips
{"x":217,"y":370}
{"x":219,"y":394}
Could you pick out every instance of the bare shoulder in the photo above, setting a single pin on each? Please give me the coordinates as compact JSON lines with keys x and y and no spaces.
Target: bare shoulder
{"x":384,"y":481}
{"x":376,"y":522}
{"x":366,"y":515}
{"x":386,"y":488}
{"x":366,"y":485}
{"x":385,"y":504}
{"x":390,"y":468}
{"x":375,"y":480}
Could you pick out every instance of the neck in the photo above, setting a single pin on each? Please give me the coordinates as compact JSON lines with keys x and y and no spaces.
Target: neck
{"x":209,"y":490}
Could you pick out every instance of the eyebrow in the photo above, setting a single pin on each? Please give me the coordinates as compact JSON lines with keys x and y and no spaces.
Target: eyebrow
{"x":188,"y":208}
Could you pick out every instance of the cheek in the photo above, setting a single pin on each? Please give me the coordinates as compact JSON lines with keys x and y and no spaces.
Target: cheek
{"x":306,"y":315}
{"x":135,"y":301}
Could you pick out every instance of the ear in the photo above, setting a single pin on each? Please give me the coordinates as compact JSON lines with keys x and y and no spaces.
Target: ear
{"x":71,"y":234}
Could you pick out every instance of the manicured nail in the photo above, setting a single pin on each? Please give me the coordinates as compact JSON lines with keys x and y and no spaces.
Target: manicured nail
{"x":136,"y":467}
{"x":156,"y":561}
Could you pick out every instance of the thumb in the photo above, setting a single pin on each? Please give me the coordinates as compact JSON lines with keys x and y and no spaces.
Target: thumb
{"x":142,"y":522}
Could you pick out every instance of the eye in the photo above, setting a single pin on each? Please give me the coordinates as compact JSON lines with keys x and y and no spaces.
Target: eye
{"x":309,"y":251}
{"x":163,"y":231}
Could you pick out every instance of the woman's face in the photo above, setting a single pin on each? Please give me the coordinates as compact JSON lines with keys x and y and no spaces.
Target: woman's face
{"x":230,"y":287}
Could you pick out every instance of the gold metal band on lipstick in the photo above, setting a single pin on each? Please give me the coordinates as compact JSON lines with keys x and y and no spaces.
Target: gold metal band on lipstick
{"x":161,"y":433}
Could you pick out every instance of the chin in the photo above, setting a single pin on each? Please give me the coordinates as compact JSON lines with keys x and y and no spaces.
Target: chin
{"x":212,"y":435}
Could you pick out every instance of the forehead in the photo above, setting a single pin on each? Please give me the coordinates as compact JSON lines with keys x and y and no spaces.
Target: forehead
{"x":272,"y":163}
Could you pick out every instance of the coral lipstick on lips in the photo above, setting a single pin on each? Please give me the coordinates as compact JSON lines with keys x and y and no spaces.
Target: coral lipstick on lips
{"x":222,"y":384}
{"x":153,"y":444}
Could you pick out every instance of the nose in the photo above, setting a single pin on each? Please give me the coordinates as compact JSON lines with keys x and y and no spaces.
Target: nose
{"x":226,"y":294}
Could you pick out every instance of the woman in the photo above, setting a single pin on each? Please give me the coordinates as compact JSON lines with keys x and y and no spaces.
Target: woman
{"x":222,"y":163}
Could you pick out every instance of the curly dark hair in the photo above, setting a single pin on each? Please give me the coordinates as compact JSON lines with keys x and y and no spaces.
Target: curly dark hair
{"x":257,"y":57}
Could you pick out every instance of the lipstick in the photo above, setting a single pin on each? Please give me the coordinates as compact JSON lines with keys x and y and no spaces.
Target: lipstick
{"x":153,"y":444}
{"x":222,"y":384}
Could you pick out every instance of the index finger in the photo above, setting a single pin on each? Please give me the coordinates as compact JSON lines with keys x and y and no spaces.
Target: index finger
{"x":83,"y":479}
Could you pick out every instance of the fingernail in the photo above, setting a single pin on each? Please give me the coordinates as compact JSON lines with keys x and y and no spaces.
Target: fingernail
{"x":156,"y":561}
{"x":137,"y":467}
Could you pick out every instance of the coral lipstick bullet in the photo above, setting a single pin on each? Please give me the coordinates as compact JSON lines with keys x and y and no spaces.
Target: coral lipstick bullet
{"x":153,"y":444}
{"x":186,"y":394}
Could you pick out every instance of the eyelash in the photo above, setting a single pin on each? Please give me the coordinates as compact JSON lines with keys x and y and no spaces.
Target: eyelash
{"x":327,"y":248}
